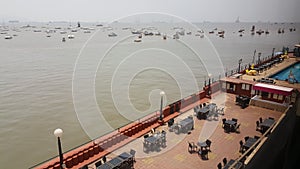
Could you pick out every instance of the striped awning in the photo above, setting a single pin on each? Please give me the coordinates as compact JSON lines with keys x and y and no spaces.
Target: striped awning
{"x":286,"y":91}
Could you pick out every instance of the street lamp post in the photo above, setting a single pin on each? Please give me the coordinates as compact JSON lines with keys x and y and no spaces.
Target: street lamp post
{"x":209,"y":79}
{"x":58,"y":133}
{"x":162,"y":93}
{"x":240,"y":61}
{"x":259,"y":54}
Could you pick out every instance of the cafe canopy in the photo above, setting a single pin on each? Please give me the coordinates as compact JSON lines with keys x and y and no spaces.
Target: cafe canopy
{"x":286,"y":91}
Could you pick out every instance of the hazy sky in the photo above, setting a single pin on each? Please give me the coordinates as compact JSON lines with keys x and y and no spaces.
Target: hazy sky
{"x":191,"y":10}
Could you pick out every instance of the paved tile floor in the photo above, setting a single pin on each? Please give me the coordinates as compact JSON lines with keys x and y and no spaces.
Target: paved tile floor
{"x":175,"y":154}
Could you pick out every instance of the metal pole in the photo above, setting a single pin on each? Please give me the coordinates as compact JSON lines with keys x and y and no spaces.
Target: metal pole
{"x":161,"y":105}
{"x":240,"y":61}
{"x":61,"y":158}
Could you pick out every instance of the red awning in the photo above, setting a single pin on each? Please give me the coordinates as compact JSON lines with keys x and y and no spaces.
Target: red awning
{"x":286,"y":91}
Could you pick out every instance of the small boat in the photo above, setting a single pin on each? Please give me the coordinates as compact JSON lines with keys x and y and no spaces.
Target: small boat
{"x":146,"y":33}
{"x":8,"y":37}
{"x":87,"y":31}
{"x":267,"y":32}
{"x":63,"y":39}
{"x":48,"y":36}
{"x":112,"y":34}
{"x":241,"y":30}
{"x":136,"y":32}
{"x":140,"y":36}
{"x":137,"y":40}
{"x":157,"y":34}
{"x":71,"y":36}
{"x":189,"y":33}
{"x":37,"y":30}
{"x":176,"y":36}
{"x":259,"y":32}
{"x":63,"y":32}
{"x":164,"y":37}
{"x":211,"y":32}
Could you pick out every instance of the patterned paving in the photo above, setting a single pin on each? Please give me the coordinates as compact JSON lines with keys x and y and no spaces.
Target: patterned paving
{"x":176,"y":156}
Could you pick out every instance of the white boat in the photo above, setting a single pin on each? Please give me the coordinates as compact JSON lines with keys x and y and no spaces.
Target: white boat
{"x":112,"y":34}
{"x":137,"y":40}
{"x":71,"y":36}
{"x":8,"y":37}
{"x":136,"y":32}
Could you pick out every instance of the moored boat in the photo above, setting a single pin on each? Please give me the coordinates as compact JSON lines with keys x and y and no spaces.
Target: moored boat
{"x":8,"y":37}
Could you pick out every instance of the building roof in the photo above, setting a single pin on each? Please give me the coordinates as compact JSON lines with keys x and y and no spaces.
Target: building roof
{"x":273,"y":89}
{"x":237,"y":80}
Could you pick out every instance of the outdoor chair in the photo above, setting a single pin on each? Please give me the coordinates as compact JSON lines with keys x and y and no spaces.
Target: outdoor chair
{"x":208,"y":142}
{"x":97,"y":164}
{"x":241,"y":146}
{"x":221,"y":111}
{"x":260,"y":120}
{"x":271,"y":118}
{"x":233,"y":119}
{"x":203,"y":154}
{"x":132,"y":152}
{"x":246,"y":138}
{"x":237,"y":128}
{"x":192,"y":147}
{"x":216,"y":116}
{"x":258,"y":128}
{"x":219,"y":166}
{"x":85,"y":167}
{"x":224,"y":161}
{"x":257,"y":137}
{"x":223,"y":120}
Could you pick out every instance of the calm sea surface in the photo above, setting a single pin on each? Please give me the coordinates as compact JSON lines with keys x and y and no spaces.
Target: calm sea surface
{"x":93,"y":83}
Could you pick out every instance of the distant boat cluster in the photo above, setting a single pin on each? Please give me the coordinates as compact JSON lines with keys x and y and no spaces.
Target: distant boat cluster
{"x":69,"y":32}
{"x":47,"y":31}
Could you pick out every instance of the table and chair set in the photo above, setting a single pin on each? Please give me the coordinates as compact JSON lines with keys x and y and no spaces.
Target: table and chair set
{"x":208,"y":111}
{"x":122,"y":161}
{"x":155,"y":141}
{"x":264,"y":125}
{"x":243,"y":101}
{"x":249,"y":142}
{"x":202,"y":148}
{"x":228,"y":165}
{"x":230,"y":125}
{"x":183,"y":126}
